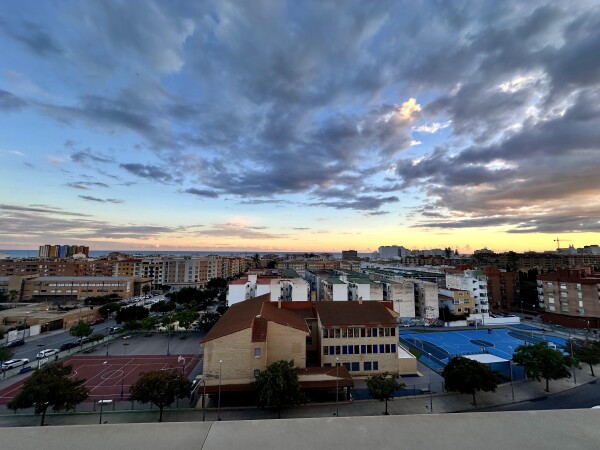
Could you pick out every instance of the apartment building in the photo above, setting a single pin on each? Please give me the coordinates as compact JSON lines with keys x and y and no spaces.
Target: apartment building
{"x":570,"y":297}
{"x":334,"y":289}
{"x":426,"y":299}
{"x":503,"y":288}
{"x":278,"y":287}
{"x":57,"y":267}
{"x":401,"y":293}
{"x":349,"y":254}
{"x":62,"y":251}
{"x":476,"y":283}
{"x":457,"y":301}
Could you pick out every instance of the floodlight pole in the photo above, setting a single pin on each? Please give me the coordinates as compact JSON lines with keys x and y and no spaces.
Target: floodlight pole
{"x":430,"y":386}
{"x":219,"y":397}
{"x":125,"y":344}
{"x":337,"y":386}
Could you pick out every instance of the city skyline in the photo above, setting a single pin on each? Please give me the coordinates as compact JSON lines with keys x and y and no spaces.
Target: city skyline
{"x":277,"y":126}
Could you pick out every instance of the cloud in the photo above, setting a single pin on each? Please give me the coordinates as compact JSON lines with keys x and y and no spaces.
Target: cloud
{"x":202,"y":192}
{"x":33,"y":36}
{"x":10,"y":102}
{"x":433,"y":127}
{"x":148,"y":171}
{"x":100,"y":200}
{"x":86,"y":185}
{"x":238,"y":231}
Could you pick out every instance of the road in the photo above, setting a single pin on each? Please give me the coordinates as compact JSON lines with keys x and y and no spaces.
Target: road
{"x":582,"y":397}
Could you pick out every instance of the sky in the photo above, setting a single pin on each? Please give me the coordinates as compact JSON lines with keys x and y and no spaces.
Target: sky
{"x":299,"y":126}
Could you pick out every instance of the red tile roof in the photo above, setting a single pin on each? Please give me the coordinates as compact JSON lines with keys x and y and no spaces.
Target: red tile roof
{"x":244,"y":315}
{"x":369,"y":313}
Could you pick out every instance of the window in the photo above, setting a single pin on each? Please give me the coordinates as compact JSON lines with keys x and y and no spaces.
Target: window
{"x":375,"y":348}
{"x":387,"y":332}
{"x":355,"y":367}
{"x":257,"y":352}
{"x":363,"y":349}
{"x":351,"y":349}
{"x":337,"y":350}
{"x":325,"y":333}
{"x":344,"y":349}
{"x":387,"y":348}
{"x":367,"y":366}
{"x":368,"y":332}
{"x":327,"y":365}
{"x":381,"y":332}
{"x":356,"y":350}
{"x":347,"y":366}
{"x":357,"y":332}
{"x":374,"y":332}
{"x":375,"y":365}
{"x":393,"y":331}
{"x":344,"y":332}
{"x":331,"y":350}
{"x":393,"y":348}
{"x":337,"y":333}
{"x":381,"y":348}
{"x":369,"y":349}
{"x":363,"y":332}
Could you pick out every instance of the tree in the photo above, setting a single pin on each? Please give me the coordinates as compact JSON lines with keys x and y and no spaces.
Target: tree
{"x":131,"y":313}
{"x":587,"y":352}
{"x":149,"y":323}
{"x":80,"y":330}
{"x":382,"y":387}
{"x":278,"y":387}
{"x":540,"y":361}
{"x":146,"y":289}
{"x":466,"y":376}
{"x":160,"y":387}
{"x":216,"y":283}
{"x":208,"y":320}
{"x":13,"y":294}
{"x":6,"y":353}
{"x":109,"y":308}
{"x":163,"y":307}
{"x":50,"y":387}
{"x":186,"y":317}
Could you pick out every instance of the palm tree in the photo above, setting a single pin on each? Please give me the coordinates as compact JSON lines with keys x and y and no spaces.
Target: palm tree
{"x":13,"y":294}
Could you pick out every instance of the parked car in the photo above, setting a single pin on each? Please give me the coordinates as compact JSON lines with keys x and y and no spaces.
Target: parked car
{"x":84,"y":340}
{"x":97,"y":321}
{"x":12,"y":363}
{"x":68,"y":345}
{"x":47,"y":352}
{"x":16,"y":343}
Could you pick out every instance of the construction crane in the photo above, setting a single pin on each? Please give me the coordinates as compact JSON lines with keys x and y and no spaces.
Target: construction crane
{"x":557,"y":240}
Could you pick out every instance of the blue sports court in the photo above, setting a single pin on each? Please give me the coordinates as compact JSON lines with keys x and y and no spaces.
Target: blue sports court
{"x":500,"y":342}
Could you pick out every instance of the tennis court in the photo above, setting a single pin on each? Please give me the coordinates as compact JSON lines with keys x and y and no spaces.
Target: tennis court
{"x":444,"y":345}
{"x":107,"y":376}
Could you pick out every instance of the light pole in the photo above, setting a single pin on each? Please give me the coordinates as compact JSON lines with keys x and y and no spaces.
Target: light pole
{"x":337,"y":385}
{"x":182,"y":360}
{"x":169,"y":339}
{"x":219,"y":397}
{"x":204,"y":400}
{"x":40,"y":359}
{"x":522,"y":315}
{"x":125,"y":344}
{"x":572,"y":358}
{"x":430,"y":386}
{"x":101,"y":403}
{"x":512,"y":389}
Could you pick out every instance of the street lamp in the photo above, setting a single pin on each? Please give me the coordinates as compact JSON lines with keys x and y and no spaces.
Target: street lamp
{"x":430,"y":386}
{"x":40,"y":359}
{"x":337,"y":385}
{"x":182,"y":359}
{"x":512,"y":389}
{"x":572,"y":358}
{"x":522,"y":315}
{"x":168,"y":339}
{"x":219,"y":397}
{"x":125,"y":344}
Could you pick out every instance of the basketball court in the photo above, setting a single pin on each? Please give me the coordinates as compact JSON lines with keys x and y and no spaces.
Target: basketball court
{"x":107,"y":377}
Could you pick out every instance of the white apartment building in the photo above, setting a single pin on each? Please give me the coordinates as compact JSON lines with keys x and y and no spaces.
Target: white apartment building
{"x":392,"y":252}
{"x":402,"y":293}
{"x":279,"y":288}
{"x":475,"y":282}
{"x":334,"y":289}
{"x":426,"y":299}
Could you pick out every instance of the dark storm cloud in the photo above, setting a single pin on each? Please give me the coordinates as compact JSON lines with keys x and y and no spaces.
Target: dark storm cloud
{"x":202,"y":192}
{"x":148,"y":171}
{"x":361,"y":203}
{"x":85,"y":156}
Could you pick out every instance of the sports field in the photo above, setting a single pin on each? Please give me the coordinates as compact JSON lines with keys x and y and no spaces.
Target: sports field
{"x":444,"y":345}
{"x":104,"y":375}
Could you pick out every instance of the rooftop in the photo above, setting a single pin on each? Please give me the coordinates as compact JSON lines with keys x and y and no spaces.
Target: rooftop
{"x":369,"y":313}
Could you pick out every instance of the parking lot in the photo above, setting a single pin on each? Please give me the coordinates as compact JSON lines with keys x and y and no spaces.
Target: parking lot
{"x":156,"y":344}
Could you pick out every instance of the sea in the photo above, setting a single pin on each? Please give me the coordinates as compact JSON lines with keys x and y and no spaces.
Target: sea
{"x":100,"y":253}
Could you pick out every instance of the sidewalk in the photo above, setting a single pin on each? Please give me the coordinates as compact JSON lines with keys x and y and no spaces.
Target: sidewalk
{"x":442,"y":403}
